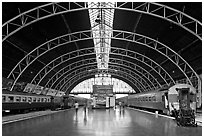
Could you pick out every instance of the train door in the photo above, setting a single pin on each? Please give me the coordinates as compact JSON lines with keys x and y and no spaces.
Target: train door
{"x":184,"y":98}
{"x":66,"y":102}
{"x":187,"y":99}
{"x":165,"y":102}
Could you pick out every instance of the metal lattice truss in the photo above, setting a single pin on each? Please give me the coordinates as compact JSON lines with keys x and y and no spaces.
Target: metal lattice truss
{"x":115,"y":71}
{"x":92,"y":70}
{"x":89,"y":51}
{"x":101,"y":20}
{"x":83,"y":75}
{"x":88,"y":62}
{"x":172,"y":15}
{"x":136,"y":75}
{"x":164,"y":50}
{"x":127,"y":64}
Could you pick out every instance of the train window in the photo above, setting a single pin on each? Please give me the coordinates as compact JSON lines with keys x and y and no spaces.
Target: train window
{"x":42,"y":99}
{"x":18,"y":99}
{"x":150,"y":98}
{"x":38,"y":99}
{"x":3,"y":98}
{"x":24,"y":99}
{"x":29,"y":99}
{"x":45,"y":99}
{"x":10,"y":98}
{"x":34,"y":99}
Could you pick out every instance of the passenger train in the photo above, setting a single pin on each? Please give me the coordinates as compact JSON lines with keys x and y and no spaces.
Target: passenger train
{"x":18,"y":102}
{"x":164,"y":100}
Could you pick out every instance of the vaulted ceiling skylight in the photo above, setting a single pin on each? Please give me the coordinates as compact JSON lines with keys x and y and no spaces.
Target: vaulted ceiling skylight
{"x":101,"y":17}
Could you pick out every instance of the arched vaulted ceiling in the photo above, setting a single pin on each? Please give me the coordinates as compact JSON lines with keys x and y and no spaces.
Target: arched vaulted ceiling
{"x":152,"y":44}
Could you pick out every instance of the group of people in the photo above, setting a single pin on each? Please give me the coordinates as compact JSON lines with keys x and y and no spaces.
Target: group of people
{"x":76,"y":106}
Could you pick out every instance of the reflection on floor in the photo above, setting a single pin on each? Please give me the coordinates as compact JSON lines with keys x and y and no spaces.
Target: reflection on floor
{"x":99,"y":122}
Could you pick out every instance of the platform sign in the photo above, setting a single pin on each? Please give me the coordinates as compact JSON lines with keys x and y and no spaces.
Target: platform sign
{"x":101,"y":94}
{"x":103,"y":89}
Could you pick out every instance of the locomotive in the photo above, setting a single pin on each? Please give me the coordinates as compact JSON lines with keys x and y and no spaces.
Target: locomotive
{"x":164,"y":100}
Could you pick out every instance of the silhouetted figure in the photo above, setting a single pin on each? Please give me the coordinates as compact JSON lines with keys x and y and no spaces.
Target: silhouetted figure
{"x":76,"y":105}
{"x":85,"y":106}
{"x":123,"y":105}
{"x":85,"y":118}
{"x":120,"y":104}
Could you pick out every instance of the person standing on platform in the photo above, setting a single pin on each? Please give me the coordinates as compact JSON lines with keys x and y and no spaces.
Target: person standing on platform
{"x":120,"y":104}
{"x":123,"y":105}
{"x":85,"y":106}
{"x":76,"y":106}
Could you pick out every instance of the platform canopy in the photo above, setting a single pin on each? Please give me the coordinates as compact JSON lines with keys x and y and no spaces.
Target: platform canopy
{"x":58,"y":45}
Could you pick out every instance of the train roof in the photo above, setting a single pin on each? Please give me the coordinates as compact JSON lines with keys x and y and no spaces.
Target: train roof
{"x":4,"y":91}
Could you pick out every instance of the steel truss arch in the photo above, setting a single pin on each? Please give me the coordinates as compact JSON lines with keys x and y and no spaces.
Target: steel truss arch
{"x":175,"y":58}
{"x":153,"y":81}
{"x":143,"y":82}
{"x":59,"y":60}
{"x":51,"y":9}
{"x":89,"y":69}
{"x":143,"y":59}
{"x":78,"y":36}
{"x":70,"y":85}
{"x":164,"y":50}
{"x":91,"y":61}
{"x":69,"y":56}
{"x":131,"y":74}
{"x":112,"y":71}
{"x":84,"y":75}
{"x":133,"y":66}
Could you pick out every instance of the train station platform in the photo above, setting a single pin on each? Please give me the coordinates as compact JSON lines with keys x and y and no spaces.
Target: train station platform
{"x":25,"y":116}
{"x":98,"y":122}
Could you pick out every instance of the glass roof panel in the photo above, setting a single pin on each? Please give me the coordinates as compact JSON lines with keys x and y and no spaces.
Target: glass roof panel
{"x":118,"y":85}
{"x":101,"y":19}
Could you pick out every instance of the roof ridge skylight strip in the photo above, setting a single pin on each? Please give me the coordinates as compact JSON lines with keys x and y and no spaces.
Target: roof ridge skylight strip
{"x":101,"y":20}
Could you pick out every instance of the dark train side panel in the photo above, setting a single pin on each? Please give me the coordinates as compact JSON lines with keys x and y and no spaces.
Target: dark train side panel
{"x":25,"y":105}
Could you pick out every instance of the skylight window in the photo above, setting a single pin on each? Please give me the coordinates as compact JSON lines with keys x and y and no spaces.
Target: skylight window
{"x":101,"y":18}
{"x":118,"y":85}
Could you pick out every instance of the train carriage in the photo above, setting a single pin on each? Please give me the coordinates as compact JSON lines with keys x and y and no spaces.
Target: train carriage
{"x":19,"y":101}
{"x":164,"y":100}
